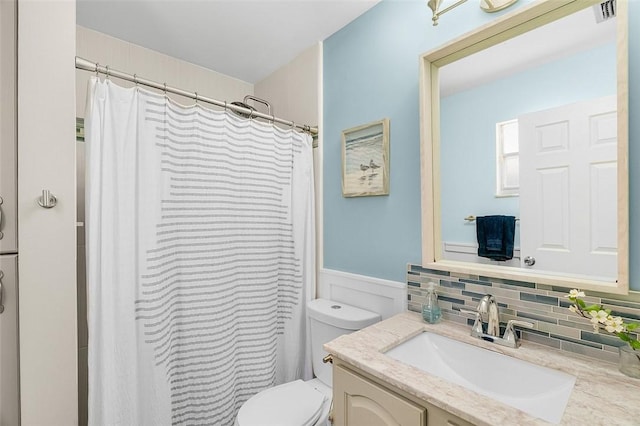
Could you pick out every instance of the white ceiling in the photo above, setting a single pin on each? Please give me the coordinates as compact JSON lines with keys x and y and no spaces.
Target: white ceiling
{"x":245,"y":39}
{"x":574,"y":33}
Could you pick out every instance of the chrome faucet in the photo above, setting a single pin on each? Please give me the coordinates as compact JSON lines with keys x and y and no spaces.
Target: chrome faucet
{"x":488,"y":310}
{"x":487,"y":324}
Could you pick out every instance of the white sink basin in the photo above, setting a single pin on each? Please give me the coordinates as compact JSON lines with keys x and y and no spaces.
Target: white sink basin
{"x":539,"y":391}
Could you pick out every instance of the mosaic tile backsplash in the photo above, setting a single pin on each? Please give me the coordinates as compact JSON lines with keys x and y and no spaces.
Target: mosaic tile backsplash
{"x":543,"y":305}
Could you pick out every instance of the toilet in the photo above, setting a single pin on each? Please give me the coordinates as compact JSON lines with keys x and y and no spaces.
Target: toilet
{"x":301,"y":403}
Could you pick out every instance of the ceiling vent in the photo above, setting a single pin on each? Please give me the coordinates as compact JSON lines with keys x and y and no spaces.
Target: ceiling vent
{"x":605,"y":10}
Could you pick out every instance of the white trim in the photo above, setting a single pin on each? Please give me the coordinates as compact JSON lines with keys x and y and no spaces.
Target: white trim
{"x":384,"y":297}
{"x":465,"y":252}
{"x":319,"y":152}
{"x":501,"y":189}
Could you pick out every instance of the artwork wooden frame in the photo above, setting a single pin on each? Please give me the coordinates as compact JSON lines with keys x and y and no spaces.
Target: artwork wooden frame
{"x":365,"y":160}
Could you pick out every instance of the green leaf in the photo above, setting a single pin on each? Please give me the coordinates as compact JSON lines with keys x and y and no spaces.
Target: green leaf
{"x":624,"y":337}
{"x":581,"y":303}
{"x":635,"y":344}
{"x":632,"y":326}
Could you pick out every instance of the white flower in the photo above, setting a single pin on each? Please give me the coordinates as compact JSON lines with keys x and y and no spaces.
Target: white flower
{"x":573,"y":294}
{"x":614,"y":325}
{"x":602,"y":319}
{"x":615,"y":320}
{"x":598,"y":316}
{"x":616,"y":329}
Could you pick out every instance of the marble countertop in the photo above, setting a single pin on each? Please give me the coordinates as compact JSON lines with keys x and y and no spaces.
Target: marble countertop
{"x":601,"y":396}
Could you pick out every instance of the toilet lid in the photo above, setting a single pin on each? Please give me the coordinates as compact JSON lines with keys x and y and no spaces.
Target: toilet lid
{"x":291,"y":404}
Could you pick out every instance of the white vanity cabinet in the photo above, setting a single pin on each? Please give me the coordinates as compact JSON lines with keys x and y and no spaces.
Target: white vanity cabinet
{"x":359,"y":400}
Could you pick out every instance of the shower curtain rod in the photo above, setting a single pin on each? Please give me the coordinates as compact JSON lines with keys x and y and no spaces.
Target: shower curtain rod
{"x":86,"y":65}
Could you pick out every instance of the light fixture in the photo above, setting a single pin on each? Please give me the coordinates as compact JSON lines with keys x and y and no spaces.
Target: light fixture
{"x":434,"y":5}
{"x":486,"y":5}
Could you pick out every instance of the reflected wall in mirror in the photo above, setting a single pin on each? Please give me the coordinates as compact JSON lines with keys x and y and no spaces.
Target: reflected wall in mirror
{"x":527,"y":117}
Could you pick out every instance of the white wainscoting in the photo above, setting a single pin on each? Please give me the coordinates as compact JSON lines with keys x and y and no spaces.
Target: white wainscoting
{"x":464,"y":252}
{"x":384,"y":297}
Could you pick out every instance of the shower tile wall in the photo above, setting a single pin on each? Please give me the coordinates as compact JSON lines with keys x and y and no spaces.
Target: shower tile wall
{"x":543,"y":305}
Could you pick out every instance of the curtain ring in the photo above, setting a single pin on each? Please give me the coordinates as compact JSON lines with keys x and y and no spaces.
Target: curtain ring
{"x":293,"y":125}
{"x":225,"y":106}
{"x":97,"y":67}
{"x":165,"y":88}
{"x":250,"y":113}
{"x":196,"y":93}
{"x":135,"y":79}
{"x":107,"y":72}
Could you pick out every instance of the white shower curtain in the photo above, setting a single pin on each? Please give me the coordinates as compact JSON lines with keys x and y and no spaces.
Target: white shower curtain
{"x":200,"y":258}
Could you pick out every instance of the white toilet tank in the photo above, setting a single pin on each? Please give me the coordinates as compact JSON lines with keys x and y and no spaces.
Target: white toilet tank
{"x":329,"y":320}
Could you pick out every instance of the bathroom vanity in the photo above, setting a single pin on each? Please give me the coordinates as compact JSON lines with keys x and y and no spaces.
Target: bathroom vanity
{"x":372,"y":388}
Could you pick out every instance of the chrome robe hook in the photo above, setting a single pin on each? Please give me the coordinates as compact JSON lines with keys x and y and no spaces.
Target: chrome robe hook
{"x":47,"y":200}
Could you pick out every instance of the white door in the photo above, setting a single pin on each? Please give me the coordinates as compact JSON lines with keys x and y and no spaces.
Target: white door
{"x":47,"y":237}
{"x":568,"y":188}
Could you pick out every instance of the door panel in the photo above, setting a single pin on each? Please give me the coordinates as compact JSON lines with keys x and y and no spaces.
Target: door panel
{"x":9,"y":400}
{"x":604,"y":176}
{"x":8,"y":187}
{"x":553,"y":208}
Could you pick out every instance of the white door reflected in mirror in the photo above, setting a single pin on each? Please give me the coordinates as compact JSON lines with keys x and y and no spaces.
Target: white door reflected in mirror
{"x":568,"y":172}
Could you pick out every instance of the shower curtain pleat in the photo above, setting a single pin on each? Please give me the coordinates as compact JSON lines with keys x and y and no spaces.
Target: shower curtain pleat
{"x":200,"y":258}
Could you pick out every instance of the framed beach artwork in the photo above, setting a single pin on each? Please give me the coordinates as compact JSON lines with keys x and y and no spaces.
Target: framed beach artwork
{"x":365,"y":160}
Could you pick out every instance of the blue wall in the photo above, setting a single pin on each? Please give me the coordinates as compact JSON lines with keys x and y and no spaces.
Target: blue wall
{"x":371,"y":71}
{"x":468,"y":156}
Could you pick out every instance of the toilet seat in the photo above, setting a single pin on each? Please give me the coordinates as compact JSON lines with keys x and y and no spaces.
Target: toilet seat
{"x":290,"y":404}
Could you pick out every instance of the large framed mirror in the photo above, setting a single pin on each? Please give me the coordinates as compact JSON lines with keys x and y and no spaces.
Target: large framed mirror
{"x":526,"y":119}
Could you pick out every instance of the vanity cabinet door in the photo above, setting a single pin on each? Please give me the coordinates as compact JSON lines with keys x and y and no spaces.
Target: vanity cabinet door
{"x":439,"y":417}
{"x":358,"y":402}
{"x":9,"y":391}
{"x":8,"y":132}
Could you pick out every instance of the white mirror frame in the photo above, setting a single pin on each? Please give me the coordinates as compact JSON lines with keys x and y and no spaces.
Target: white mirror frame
{"x":508,"y":26}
